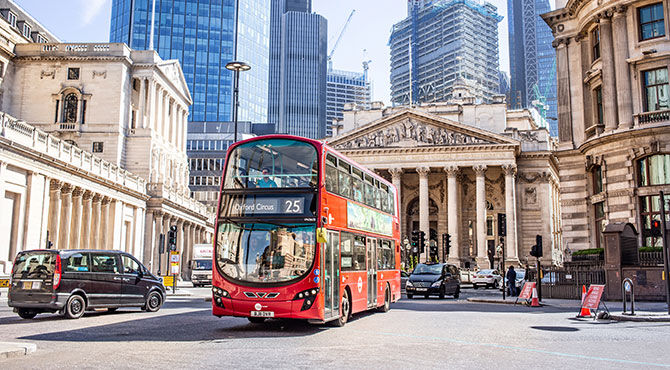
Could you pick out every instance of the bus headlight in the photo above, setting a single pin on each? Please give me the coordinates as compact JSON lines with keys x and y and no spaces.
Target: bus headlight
{"x":306,"y":294}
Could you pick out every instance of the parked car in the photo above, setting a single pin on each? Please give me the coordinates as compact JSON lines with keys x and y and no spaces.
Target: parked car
{"x":487,"y":279}
{"x":73,"y":281}
{"x":434,"y":279}
{"x":520,"y":280}
{"x":403,"y":279}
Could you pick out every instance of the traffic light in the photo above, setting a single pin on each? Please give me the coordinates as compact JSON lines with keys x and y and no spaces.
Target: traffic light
{"x":656,"y":228}
{"x":172,"y":238}
{"x":415,"y":238}
{"x":447,"y":243}
{"x":536,"y":250}
{"x":502,"y":224}
{"x":433,"y":248}
{"x":422,"y":241}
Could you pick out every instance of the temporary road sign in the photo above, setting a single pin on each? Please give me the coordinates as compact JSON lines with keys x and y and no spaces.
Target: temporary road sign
{"x":174,"y":256}
{"x":168,"y":280}
{"x":592,"y":299}
{"x":4,"y":283}
{"x":527,"y":290}
{"x":174,"y":268}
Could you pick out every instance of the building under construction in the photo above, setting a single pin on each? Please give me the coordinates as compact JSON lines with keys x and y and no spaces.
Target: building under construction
{"x":442,"y":44}
{"x":345,"y":87}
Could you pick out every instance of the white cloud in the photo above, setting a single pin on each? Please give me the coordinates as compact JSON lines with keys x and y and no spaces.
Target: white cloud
{"x":90,"y":9}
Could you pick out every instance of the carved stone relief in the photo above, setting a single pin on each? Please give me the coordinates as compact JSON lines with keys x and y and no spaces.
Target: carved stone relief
{"x":409,"y":133}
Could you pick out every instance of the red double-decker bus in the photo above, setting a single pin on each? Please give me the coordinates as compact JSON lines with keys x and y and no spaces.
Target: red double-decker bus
{"x":303,"y":233}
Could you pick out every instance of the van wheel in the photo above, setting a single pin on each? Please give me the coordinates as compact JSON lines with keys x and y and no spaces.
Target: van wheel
{"x":345,"y":310}
{"x":27,"y":314}
{"x":474,"y":286}
{"x":387,"y":301}
{"x":154,"y":302}
{"x":458,"y":293}
{"x":75,"y":307}
{"x":112,"y":309}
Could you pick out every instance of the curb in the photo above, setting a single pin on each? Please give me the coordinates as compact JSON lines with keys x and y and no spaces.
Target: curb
{"x":664,"y":318}
{"x":498,"y":301}
{"x":11,"y":350}
{"x":168,"y":295}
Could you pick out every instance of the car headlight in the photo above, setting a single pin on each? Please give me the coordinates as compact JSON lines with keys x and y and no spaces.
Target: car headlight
{"x":409,"y":283}
{"x":436,"y":284}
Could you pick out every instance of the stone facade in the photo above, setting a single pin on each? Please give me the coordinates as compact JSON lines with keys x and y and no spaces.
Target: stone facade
{"x":610,"y":122}
{"x":457,"y":166}
{"x":97,"y":156}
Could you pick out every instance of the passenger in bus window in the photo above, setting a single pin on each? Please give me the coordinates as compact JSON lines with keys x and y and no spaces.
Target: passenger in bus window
{"x":266,"y":181}
{"x":358,"y":191}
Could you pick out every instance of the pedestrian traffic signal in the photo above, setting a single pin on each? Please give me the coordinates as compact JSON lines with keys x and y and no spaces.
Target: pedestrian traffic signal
{"x":172,"y":238}
{"x":656,"y":228}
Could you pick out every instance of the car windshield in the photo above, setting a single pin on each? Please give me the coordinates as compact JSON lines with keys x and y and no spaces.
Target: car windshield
{"x":202,"y":265}
{"x":427,"y":269}
{"x":272,"y":163}
{"x":34,"y":265}
{"x":265,"y":253}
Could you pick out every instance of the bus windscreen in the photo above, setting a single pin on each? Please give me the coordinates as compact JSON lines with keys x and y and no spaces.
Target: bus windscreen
{"x":272,"y":163}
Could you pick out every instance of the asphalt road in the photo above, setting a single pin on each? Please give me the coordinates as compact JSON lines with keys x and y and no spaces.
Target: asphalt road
{"x":419,"y":333}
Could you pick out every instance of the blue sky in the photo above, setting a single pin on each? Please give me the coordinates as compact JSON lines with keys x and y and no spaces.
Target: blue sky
{"x":365,"y":38}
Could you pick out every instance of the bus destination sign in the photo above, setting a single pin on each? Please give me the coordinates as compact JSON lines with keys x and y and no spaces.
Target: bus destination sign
{"x":252,"y":206}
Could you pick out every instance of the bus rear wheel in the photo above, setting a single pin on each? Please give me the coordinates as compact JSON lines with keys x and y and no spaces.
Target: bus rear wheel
{"x":387,"y":301}
{"x":345,"y":310}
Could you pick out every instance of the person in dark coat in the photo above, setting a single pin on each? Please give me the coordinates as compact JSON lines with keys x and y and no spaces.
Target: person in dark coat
{"x":511,"y":281}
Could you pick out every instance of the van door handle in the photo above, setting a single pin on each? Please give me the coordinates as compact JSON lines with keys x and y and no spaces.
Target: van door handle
{"x":117,"y":278}
{"x":126,"y":279}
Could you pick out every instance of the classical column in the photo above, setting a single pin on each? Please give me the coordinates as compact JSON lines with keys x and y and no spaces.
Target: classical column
{"x":143,"y":103}
{"x":96,"y":210}
{"x":609,"y":79}
{"x":452,"y":213}
{"x":158,"y":227}
{"x":84,"y":240}
{"x":480,"y":174}
{"x":563,"y":86}
{"x":396,"y":179}
{"x":148,"y":237}
{"x":158,"y":120}
{"x":185,"y":128}
{"x":3,"y":170}
{"x":511,"y":246}
{"x":164,"y":116}
{"x":65,"y":217}
{"x":112,"y":233}
{"x":587,"y":97}
{"x":623,"y":87}
{"x":151,"y":114}
{"x":54,"y":211}
{"x":104,"y":236}
{"x":424,"y":208}
{"x":75,"y":225}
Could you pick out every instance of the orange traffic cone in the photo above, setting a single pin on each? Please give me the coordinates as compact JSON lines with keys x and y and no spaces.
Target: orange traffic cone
{"x":534,"y":302}
{"x":585,"y":312}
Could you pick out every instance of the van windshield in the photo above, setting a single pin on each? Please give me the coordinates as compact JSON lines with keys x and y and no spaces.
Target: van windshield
{"x":202,"y":264}
{"x":34,"y":265}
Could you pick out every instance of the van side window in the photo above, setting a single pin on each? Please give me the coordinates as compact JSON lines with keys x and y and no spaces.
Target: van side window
{"x":104,"y":263}
{"x":77,"y":263}
{"x":130,"y":266}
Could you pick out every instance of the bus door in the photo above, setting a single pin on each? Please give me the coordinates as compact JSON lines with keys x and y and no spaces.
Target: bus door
{"x":372,"y":272}
{"x":330,"y":275}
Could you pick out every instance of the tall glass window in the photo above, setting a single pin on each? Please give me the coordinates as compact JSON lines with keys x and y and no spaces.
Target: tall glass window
{"x":599,"y":104}
{"x":652,"y":24}
{"x":654,"y":170}
{"x":595,"y":40}
{"x":656,"y":89}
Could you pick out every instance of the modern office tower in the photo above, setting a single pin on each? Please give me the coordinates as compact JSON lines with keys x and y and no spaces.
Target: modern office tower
{"x":441,"y":43}
{"x":202,"y":35}
{"x":503,"y":88}
{"x":532,"y":59}
{"x":298,"y":56}
{"x":345,"y":87}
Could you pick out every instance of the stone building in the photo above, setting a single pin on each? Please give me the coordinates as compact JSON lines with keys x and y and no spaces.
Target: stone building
{"x":613,"y":115}
{"x":458,"y":165}
{"x":96,"y":156}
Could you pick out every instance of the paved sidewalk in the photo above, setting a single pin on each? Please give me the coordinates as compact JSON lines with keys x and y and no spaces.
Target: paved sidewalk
{"x":10,"y":349}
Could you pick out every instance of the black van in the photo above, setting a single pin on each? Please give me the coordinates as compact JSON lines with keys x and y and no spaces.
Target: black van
{"x":72,"y":281}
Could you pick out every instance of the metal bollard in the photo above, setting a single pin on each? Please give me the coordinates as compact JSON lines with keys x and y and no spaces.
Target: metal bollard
{"x":628,"y":287}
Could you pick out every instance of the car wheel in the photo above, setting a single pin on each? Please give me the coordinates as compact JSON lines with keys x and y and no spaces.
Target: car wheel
{"x":442,"y":292}
{"x":112,"y":309}
{"x":410,"y":296}
{"x":387,"y":301}
{"x":496,"y":284}
{"x":154,"y":302}
{"x":458,"y":293}
{"x":426,"y":296}
{"x":27,"y":314}
{"x":474,"y":286}
{"x":256,"y":320}
{"x":75,"y":307}
{"x":345,"y":310}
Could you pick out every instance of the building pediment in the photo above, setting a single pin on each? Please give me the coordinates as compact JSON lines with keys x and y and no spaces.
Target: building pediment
{"x":409,"y":129}
{"x":173,"y":72}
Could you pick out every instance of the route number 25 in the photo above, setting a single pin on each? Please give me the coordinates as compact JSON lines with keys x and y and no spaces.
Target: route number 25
{"x":292,"y":206}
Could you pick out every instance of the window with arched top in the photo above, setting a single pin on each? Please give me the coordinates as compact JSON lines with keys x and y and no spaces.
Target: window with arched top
{"x":70,"y":108}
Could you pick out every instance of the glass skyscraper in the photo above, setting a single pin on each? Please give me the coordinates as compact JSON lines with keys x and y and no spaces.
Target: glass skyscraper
{"x":201,"y":34}
{"x":532,"y":59}
{"x":298,"y":56}
{"x":345,"y":87}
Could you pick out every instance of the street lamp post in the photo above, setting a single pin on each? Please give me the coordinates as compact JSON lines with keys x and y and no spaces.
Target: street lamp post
{"x":236,"y":67}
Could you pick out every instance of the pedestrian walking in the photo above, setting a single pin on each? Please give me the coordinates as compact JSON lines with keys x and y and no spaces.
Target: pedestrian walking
{"x":511,"y":282}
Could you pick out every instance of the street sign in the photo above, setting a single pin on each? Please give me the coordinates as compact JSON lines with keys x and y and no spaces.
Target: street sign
{"x":174,"y":257}
{"x":174,"y":268}
{"x":4,"y":283}
{"x":592,"y":299}
{"x":168,"y":281}
{"x":527,"y":290}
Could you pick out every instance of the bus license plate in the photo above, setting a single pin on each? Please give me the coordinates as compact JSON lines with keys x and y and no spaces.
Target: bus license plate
{"x":262,"y":314}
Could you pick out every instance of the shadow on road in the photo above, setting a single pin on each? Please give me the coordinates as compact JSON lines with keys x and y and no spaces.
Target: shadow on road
{"x":461,"y":305}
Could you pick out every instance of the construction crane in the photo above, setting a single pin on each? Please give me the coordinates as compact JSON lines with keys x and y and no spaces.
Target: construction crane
{"x":332,"y":51}
{"x":540,"y":101}
{"x":366,"y":66}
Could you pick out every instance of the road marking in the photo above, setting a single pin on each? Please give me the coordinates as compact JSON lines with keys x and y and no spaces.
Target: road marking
{"x":534,"y":350}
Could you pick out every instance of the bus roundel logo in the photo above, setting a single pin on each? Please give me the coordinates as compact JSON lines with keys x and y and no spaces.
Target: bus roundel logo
{"x":258,"y":306}
{"x":360,"y":284}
